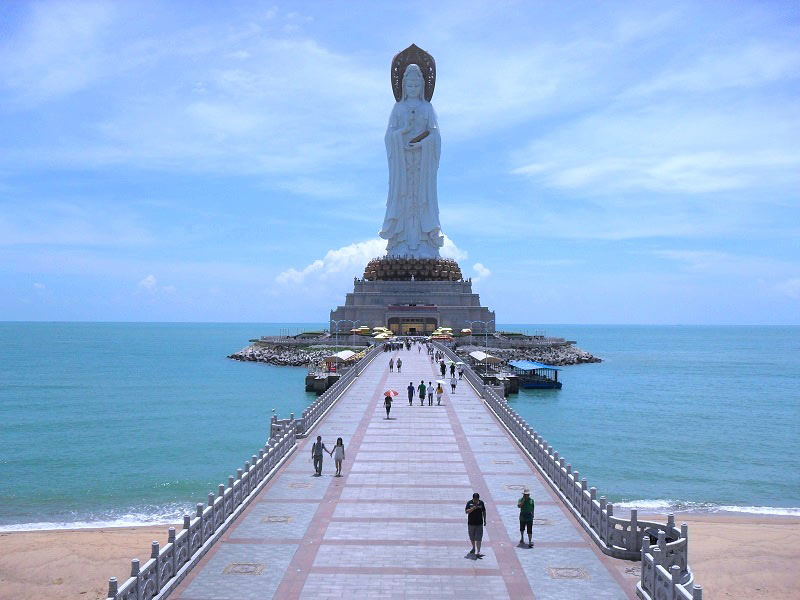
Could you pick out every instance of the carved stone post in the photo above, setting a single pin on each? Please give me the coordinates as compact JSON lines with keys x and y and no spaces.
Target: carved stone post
{"x":186,"y":521}
{"x":112,"y":587}
{"x":675,"y":573}
{"x":154,"y":550}
{"x":697,"y":592}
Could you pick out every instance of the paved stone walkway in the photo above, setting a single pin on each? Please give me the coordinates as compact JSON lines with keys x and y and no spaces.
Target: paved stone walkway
{"x":394,"y":525}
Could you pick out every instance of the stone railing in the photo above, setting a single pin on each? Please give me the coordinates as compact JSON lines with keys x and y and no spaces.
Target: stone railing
{"x":662,"y":549}
{"x":167,"y":566}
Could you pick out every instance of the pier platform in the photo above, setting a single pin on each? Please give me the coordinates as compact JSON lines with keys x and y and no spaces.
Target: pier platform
{"x":393,"y":526}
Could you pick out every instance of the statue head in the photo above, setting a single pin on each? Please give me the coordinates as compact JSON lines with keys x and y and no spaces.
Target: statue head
{"x":413,"y":83}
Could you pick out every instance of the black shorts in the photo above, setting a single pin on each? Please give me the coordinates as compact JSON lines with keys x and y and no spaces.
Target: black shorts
{"x":526,"y":524}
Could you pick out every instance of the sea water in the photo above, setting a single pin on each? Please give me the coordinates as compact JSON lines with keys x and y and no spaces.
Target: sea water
{"x":133,"y":423}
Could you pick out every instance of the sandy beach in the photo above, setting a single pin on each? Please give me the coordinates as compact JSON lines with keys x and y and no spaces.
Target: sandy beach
{"x":69,"y":564}
{"x":764,"y":568}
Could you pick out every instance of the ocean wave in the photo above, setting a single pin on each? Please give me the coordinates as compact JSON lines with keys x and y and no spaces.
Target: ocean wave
{"x":165,"y":515}
{"x":704,"y":507}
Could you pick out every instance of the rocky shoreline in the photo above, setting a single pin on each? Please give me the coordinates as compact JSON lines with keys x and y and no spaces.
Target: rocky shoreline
{"x":301,"y":356}
{"x":282,"y":356}
{"x":556,"y":355}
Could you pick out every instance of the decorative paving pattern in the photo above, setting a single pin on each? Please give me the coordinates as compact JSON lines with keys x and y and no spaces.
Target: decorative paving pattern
{"x":567,"y":573}
{"x":394,"y":526}
{"x":244,"y":569}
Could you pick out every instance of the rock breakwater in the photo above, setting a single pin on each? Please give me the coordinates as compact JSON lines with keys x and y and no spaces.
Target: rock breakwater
{"x":284,"y":356}
{"x":556,"y":355}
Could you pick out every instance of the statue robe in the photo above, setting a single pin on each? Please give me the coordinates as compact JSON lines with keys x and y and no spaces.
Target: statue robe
{"x":411,"y":225}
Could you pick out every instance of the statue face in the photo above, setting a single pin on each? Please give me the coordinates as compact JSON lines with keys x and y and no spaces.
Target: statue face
{"x":413,"y":85}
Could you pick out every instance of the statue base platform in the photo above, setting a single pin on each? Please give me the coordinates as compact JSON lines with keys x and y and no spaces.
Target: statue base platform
{"x":413,"y":307}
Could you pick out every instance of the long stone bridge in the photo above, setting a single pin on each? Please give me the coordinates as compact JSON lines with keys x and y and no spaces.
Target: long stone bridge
{"x":393,"y":526}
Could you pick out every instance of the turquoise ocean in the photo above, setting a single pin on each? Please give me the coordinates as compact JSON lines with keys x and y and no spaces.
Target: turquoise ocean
{"x":133,"y":423}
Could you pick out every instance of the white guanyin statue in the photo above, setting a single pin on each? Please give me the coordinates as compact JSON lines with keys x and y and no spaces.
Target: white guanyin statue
{"x":413,"y":146}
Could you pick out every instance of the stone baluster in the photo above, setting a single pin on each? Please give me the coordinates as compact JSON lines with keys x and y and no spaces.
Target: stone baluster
{"x":675,"y":579}
{"x":656,"y":564}
{"x":135,"y":568}
{"x":154,"y":550}
{"x":634,"y":528}
{"x":662,"y":543}
{"x":697,"y":592}
{"x":187,"y":520}
{"x":609,"y":523}
{"x":174,"y":553}
{"x":112,"y":587}
{"x":642,"y":570}
{"x":671,"y":520}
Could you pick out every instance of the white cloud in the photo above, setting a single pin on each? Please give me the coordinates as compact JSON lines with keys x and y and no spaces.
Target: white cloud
{"x":148,"y":283}
{"x":482,"y":272}
{"x":450,"y":250}
{"x":350,"y":261}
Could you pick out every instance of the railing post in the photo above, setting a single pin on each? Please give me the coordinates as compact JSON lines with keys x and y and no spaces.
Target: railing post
{"x":697,"y":592}
{"x":645,"y":548}
{"x":634,"y":529}
{"x":675,"y":579}
{"x":174,"y":553}
{"x":112,"y":587}
{"x":154,"y":550}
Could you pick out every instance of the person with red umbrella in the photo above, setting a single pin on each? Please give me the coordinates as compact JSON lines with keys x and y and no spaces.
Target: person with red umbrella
{"x":387,"y":402}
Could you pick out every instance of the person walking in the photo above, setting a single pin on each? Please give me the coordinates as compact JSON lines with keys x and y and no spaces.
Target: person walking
{"x":338,"y":456}
{"x":476,"y":521}
{"x":430,"y":393}
{"x":439,"y":392}
{"x":452,"y":370}
{"x":421,"y":389}
{"x":317,"y":449}
{"x":410,"y":390}
{"x":460,"y":372}
{"x":442,"y":368}
{"x":526,"y":506}
{"x":453,"y":383}
{"x":391,"y":365}
{"x":387,"y":404}
{"x":399,"y":364}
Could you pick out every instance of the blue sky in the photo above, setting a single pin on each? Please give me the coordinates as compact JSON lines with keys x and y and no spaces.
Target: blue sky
{"x":616,"y":163}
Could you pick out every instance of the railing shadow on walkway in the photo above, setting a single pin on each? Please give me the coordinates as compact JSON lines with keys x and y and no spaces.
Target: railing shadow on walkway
{"x":662,"y":548}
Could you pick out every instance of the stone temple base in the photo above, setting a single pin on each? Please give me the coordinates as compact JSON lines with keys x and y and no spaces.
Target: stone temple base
{"x":413,"y":307}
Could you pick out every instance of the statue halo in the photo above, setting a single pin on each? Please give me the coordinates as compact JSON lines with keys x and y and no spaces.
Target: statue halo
{"x":413,"y":55}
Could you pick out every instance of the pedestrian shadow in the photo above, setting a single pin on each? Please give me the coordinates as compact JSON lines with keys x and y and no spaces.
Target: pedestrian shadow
{"x":471,"y":556}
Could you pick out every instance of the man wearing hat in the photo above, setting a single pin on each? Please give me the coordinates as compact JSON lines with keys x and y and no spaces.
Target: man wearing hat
{"x":525,"y":506}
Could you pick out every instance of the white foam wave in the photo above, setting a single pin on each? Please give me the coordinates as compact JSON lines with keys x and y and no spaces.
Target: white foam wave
{"x":703,"y":507}
{"x":166,"y":515}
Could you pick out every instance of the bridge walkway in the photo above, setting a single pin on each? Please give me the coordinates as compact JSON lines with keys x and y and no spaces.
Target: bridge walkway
{"x":394,"y":525}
